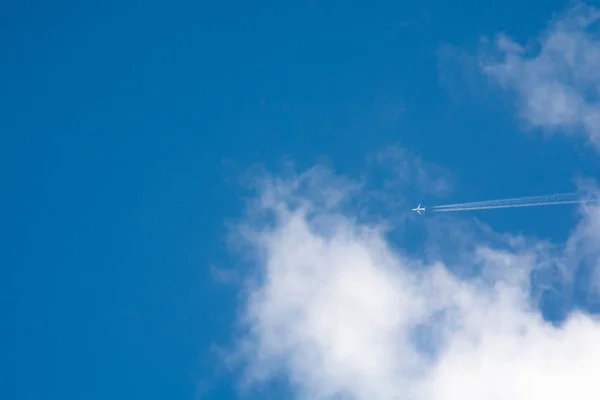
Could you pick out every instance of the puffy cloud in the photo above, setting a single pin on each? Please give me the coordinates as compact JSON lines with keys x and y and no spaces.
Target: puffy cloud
{"x":337,"y":311}
{"x":558,"y":83}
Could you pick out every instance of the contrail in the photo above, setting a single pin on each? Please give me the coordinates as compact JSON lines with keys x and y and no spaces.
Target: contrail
{"x":516,"y":200}
{"x":513,"y":205}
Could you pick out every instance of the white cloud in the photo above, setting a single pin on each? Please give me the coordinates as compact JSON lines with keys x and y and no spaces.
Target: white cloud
{"x":583,"y":248}
{"x":337,"y":312}
{"x":559,"y":83}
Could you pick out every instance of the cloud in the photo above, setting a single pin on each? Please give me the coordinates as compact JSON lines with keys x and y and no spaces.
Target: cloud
{"x":583,"y":251}
{"x":558,"y":83}
{"x":337,"y":311}
{"x":407,"y":168}
{"x":223,"y":275}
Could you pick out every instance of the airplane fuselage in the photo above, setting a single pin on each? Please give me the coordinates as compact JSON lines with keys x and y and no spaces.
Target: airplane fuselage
{"x":419,"y":209}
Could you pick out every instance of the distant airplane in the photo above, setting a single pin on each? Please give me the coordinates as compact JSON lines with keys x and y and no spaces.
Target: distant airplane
{"x":419,"y":209}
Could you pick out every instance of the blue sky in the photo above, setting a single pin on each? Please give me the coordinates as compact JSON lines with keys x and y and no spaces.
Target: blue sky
{"x":133,"y":136}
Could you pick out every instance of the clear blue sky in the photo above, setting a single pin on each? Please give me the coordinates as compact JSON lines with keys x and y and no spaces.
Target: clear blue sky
{"x":126,"y":125}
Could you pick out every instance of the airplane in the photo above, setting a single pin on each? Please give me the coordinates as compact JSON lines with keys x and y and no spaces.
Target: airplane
{"x":419,"y":209}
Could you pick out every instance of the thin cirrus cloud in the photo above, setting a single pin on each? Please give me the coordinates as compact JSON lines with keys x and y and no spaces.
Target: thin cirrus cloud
{"x":558,"y":84}
{"x":336,"y":310}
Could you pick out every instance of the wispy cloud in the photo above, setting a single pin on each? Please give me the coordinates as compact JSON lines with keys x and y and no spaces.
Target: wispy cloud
{"x":406,"y":169}
{"x":337,"y":310}
{"x":224,"y":275}
{"x":558,"y":80}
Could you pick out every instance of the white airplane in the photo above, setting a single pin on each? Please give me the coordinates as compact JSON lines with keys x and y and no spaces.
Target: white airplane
{"x":419,"y":209}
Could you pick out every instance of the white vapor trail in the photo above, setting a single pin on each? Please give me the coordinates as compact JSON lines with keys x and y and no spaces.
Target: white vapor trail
{"x":514,"y":205}
{"x":515,"y":200}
